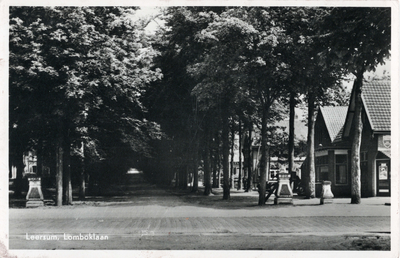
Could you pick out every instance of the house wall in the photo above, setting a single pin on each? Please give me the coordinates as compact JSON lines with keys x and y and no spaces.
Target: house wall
{"x":369,"y":145}
{"x":324,"y":147}
{"x":30,"y":162}
{"x":369,"y":148}
{"x":341,"y":189}
{"x":338,"y":189}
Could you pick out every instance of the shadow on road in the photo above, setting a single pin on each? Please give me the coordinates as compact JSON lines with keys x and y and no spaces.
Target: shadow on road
{"x":134,"y":190}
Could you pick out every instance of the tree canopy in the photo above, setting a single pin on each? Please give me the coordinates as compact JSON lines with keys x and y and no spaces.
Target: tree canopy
{"x":78,"y":74}
{"x":172,"y":102}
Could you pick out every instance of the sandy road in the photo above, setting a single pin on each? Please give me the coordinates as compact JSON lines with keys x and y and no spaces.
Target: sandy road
{"x":150,"y":218}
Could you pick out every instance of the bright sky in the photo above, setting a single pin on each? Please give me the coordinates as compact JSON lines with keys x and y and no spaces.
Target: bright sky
{"x":148,"y":11}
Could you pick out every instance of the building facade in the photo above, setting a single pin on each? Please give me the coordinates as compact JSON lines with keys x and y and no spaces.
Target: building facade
{"x":334,"y":129}
{"x":376,"y":137}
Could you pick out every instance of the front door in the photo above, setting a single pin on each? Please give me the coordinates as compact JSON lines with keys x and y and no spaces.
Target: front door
{"x":383,"y":180}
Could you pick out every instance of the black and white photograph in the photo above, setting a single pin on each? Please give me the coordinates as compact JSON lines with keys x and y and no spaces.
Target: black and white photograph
{"x":164,"y":129}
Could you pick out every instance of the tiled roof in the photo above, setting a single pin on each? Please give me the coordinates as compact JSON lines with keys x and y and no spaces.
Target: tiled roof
{"x":334,"y":118}
{"x":376,"y":99}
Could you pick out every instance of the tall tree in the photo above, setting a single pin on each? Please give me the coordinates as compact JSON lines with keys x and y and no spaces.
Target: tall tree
{"x":292,"y":106}
{"x":206,"y":161}
{"x":358,"y":39}
{"x":170,"y":101}
{"x":243,"y":55}
{"x":308,"y":74}
{"x":82,"y":75}
{"x":239,"y":186}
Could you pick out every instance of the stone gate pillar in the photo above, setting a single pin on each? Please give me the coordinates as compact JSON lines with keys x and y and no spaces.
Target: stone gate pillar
{"x":327,"y":195}
{"x":284,"y":193}
{"x":34,"y":196}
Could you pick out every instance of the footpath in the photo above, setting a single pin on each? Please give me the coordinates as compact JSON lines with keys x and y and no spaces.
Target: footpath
{"x":147,"y":217}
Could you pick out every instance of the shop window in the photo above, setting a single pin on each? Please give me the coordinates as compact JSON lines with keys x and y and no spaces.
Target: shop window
{"x":321,"y":169}
{"x":341,"y":169}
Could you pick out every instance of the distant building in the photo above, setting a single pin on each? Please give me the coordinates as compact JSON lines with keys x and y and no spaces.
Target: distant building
{"x":29,"y":161}
{"x":276,"y":162}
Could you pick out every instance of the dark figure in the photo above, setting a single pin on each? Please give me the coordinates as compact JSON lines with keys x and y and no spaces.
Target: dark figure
{"x":295,"y":181}
{"x":271,"y":187}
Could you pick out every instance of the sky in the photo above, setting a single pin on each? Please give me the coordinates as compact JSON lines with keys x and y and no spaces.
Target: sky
{"x":148,"y":11}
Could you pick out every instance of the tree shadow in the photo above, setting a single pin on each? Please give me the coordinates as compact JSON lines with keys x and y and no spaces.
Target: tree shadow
{"x":135,"y":192}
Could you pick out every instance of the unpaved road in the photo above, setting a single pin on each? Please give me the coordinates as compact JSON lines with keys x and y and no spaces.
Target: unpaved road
{"x":149,"y":218}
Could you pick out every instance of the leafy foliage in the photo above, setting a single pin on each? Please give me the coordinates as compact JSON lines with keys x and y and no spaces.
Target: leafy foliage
{"x":79,"y":73}
{"x":357,"y":38}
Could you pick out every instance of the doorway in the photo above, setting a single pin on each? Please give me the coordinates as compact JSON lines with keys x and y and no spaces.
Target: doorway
{"x":383,"y":180}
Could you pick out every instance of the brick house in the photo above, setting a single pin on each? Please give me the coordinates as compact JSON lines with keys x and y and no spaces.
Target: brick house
{"x":375,"y":149}
{"x":333,"y":136}
{"x":332,"y":154}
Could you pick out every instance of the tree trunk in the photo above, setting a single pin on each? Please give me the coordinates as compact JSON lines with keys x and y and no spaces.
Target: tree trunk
{"x":218,"y":176}
{"x":250,"y":160}
{"x":82,"y":183}
{"x":183,"y":181}
{"x":180,"y":176}
{"x":232,"y":155}
{"x":10,"y":165}
{"x":207,"y":167}
{"x":185,"y":177}
{"x":310,"y":187}
{"x":195,"y":149}
{"x":219,"y":169}
{"x":356,"y":144}
{"x":264,"y":157}
{"x":39,"y":156}
{"x":214,"y":172}
{"x":225,"y":154}
{"x":19,"y":163}
{"x":291,"y":132}
{"x":59,"y":173}
{"x":177,"y":179}
{"x":196,"y":165}
{"x":216,"y":161}
{"x":67,"y":173}
{"x":240,"y":157}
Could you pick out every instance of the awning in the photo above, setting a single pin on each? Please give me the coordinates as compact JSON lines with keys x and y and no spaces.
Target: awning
{"x":387,"y":153}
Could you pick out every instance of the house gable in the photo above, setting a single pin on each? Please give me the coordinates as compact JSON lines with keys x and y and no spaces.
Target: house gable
{"x":376,"y":100}
{"x":334,"y":119}
{"x":329,"y":125}
{"x":322,"y":137}
{"x":376,"y":105}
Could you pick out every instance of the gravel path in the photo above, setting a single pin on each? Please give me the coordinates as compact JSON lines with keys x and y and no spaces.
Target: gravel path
{"x":151,"y":218}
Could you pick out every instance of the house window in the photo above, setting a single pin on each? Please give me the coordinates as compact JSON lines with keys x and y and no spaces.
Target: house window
{"x":321,"y":169}
{"x":341,"y":169}
{"x":33,"y":169}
